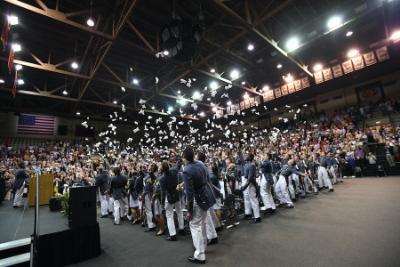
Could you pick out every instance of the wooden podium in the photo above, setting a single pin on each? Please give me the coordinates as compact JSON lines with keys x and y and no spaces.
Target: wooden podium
{"x":45,"y":189}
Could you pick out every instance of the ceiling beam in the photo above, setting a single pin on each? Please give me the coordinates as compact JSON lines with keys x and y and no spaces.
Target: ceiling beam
{"x":58,"y":16}
{"x":100,"y":60}
{"x":252,"y":28}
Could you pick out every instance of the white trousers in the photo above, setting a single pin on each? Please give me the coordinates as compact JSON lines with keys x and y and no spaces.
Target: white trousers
{"x":119,"y":209}
{"x":255,"y":205}
{"x":282,"y":192}
{"x":18,"y":201}
{"x":149,"y":213}
{"x":103,"y":204}
{"x":265,"y":192}
{"x":323,"y":178}
{"x":308,"y":183}
{"x":169,"y":213}
{"x":210,"y":227}
{"x":198,"y":230}
{"x":110,"y":204}
{"x":332,"y":172}
{"x":246,"y":198}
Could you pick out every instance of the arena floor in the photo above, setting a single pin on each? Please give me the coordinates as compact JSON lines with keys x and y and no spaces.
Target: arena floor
{"x":357,"y":225}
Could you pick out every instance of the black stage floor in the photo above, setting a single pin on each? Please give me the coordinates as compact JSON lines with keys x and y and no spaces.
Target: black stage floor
{"x":357,"y":225}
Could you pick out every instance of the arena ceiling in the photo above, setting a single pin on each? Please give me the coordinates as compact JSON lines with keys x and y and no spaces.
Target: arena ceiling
{"x":120,"y":59}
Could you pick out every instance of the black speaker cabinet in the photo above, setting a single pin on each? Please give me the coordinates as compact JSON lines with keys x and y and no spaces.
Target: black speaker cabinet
{"x":82,"y":206}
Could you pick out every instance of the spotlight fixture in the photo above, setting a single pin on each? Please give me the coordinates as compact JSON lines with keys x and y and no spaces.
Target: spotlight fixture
{"x":123,"y":89}
{"x":292,"y":44}
{"x":202,"y":114}
{"x":18,"y":67}
{"x":265,"y":88}
{"x":279,"y":66}
{"x":246,"y":95}
{"x":2,"y":81}
{"x":90,"y":22}
{"x":229,"y":103}
{"x":13,"y":20}
{"x":65,"y":92}
{"x":214,"y":85}
{"x":317,"y":67}
{"x":352,"y":53}
{"x":115,"y":102}
{"x":250,"y":47}
{"x":243,"y":82}
{"x":165,"y":52}
{"x":234,"y":74}
{"x":181,"y":101}
{"x":395,"y":36}
{"x":16,"y":47}
{"x":349,"y":33}
{"x":20,"y":81}
{"x":214,"y":109}
{"x":74,"y":65}
{"x":170,"y":109}
{"x":334,"y":22}
{"x":179,"y":92}
{"x":212,"y":70}
{"x":135,"y":81}
{"x":288,"y":78}
{"x":196,"y":95}
{"x":78,"y":113}
{"x":153,"y":107}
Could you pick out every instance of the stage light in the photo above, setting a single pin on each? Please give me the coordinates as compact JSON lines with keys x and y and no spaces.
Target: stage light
{"x":265,"y":88}
{"x":115,"y":102}
{"x":243,"y":82}
{"x":166,"y":52}
{"x":179,"y":92}
{"x":349,"y":33}
{"x":153,"y":107}
{"x":181,"y":102}
{"x":214,"y":109}
{"x":20,"y":81}
{"x":65,"y":92}
{"x":288,"y":78}
{"x":170,"y":109}
{"x":395,"y":36}
{"x":135,"y":81}
{"x":13,"y":20}
{"x":212,"y":70}
{"x":246,"y":96}
{"x":352,"y":53}
{"x":2,"y":81}
{"x":78,"y":113}
{"x":18,"y":67}
{"x":214,"y":85}
{"x":250,"y":47}
{"x":196,"y":95}
{"x":16,"y":47}
{"x":292,"y":44}
{"x":234,"y":74}
{"x":317,"y":67}
{"x":123,"y":89}
{"x":202,"y":114}
{"x":74,"y":65}
{"x":229,"y":103}
{"x":90,"y":22}
{"x":279,"y":66}
{"x":334,"y":22}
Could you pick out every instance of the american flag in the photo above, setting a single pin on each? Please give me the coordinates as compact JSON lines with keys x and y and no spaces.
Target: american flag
{"x":35,"y":124}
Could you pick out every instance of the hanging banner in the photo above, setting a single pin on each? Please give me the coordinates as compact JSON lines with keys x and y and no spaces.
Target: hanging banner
{"x":319,"y":78}
{"x":277,"y":92}
{"x":347,"y":66}
{"x":382,"y":54}
{"x":284,"y":89}
{"x":358,"y":62}
{"x":297,"y":85}
{"x":337,"y":71}
{"x":290,"y":87}
{"x":369,"y":58}
{"x":327,"y":74}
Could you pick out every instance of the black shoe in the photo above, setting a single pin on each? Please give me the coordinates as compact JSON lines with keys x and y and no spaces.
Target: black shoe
{"x":116,"y":223}
{"x":213,"y":241}
{"x":194,"y":260}
{"x":219,"y":229}
{"x":248,"y":217}
{"x":288,"y":206}
{"x":104,"y":216}
{"x":331,"y":190}
{"x":269,"y":211}
{"x":150,"y":230}
{"x":181,"y":232}
{"x":172,"y":238}
{"x":256,"y":220}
